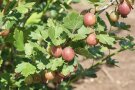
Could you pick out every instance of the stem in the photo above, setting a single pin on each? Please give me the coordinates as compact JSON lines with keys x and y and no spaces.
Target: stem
{"x":102,"y":60}
{"x":49,"y":2}
{"x":120,"y":50}
{"x":73,"y":80}
{"x":68,"y":2}
{"x":6,"y":7}
{"x":107,"y":6}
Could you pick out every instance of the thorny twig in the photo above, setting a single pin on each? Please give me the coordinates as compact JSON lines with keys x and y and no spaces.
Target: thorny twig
{"x":107,"y":6}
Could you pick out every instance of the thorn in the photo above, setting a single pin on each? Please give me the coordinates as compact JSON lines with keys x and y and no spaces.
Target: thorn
{"x":107,"y":74}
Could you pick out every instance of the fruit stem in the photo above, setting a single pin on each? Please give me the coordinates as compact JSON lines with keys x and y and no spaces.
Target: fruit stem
{"x":107,"y":6}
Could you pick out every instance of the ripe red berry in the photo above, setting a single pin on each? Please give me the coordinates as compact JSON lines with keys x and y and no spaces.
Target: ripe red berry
{"x":56,"y":51}
{"x":124,"y":9}
{"x":89,"y":19}
{"x":114,"y":16}
{"x":68,"y":54}
{"x":92,"y":40}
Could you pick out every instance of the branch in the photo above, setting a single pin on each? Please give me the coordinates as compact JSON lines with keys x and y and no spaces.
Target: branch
{"x":102,"y":60}
{"x":107,"y":6}
{"x":68,"y":2}
{"x":49,"y":2}
{"x":120,"y":50}
{"x":6,"y":7}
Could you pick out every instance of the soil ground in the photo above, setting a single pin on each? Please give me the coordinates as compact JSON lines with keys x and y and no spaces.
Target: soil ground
{"x":122,"y":78}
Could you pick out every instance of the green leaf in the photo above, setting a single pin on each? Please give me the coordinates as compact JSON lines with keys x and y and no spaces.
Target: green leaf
{"x":55,"y":63}
{"x":76,"y":1}
{"x":35,"y":45}
{"x":58,"y":30}
{"x":101,"y":25}
{"x":39,"y":34}
{"x":8,"y":24}
{"x":1,"y":19}
{"x":106,"y":39}
{"x":97,"y":2}
{"x":77,"y":37}
{"x":1,"y":62}
{"x":51,"y":23}
{"x":122,"y":25}
{"x":55,"y":29}
{"x":96,"y":52}
{"x":44,"y":34}
{"x":36,"y":35}
{"x":83,"y":30}
{"x":28,"y":49}
{"x":23,"y":8}
{"x":83,"y":52}
{"x":51,"y":33}
{"x":65,"y":70}
{"x":19,"y":40}
{"x":29,"y":5}
{"x":103,"y":49}
{"x":40,"y":65}
{"x":81,"y":34}
{"x":5,"y":78}
{"x":126,"y":43}
{"x":73,"y":21}
{"x":34,"y":18}
{"x":55,"y":34}
{"x":19,"y":83}
{"x":111,"y":62}
{"x":71,"y":68}
{"x":94,"y":1}
{"x":25,"y":69}
{"x":58,"y":42}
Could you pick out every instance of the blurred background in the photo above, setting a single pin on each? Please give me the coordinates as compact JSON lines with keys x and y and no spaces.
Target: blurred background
{"x":116,"y":78}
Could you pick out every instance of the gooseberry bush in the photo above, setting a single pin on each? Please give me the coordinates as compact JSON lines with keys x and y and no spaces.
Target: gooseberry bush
{"x":40,"y":41}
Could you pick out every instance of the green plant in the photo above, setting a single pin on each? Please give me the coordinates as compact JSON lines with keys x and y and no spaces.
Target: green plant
{"x":40,"y":41}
